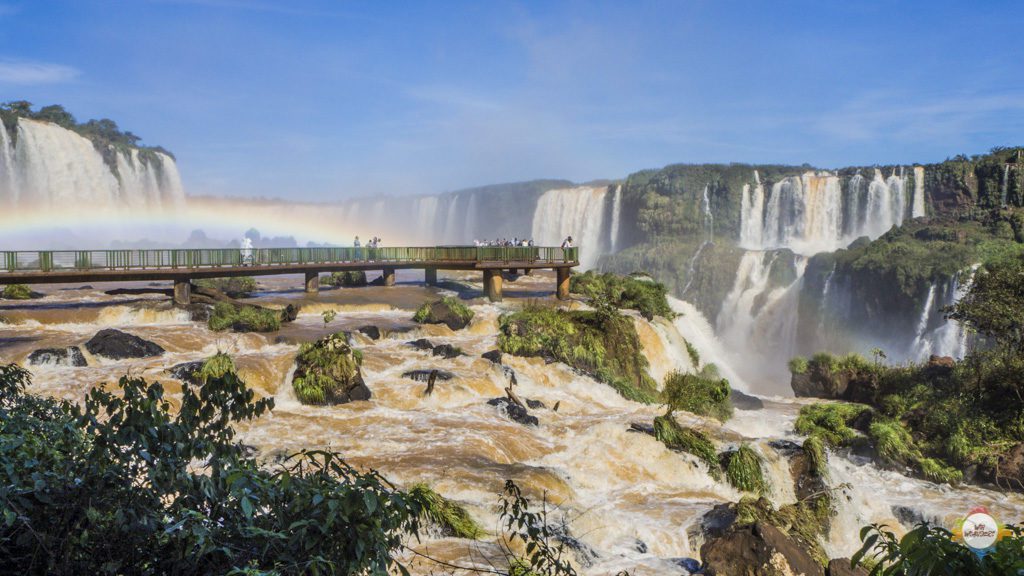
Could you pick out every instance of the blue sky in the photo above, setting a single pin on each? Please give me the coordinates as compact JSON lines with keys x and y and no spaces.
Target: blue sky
{"x":315,"y":100}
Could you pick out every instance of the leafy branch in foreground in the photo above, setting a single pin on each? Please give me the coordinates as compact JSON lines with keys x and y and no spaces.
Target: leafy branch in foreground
{"x":929,"y":550}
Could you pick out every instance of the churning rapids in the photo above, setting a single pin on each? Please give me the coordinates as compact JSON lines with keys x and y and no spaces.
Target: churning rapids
{"x":630,"y":502}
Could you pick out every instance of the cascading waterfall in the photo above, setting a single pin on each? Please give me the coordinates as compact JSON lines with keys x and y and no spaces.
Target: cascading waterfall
{"x":49,"y":166}
{"x":918,"y":210}
{"x":922,"y":346}
{"x":576,"y":212}
{"x":752,"y":215}
{"x":935,"y":333}
{"x":616,"y":214}
{"x":803,"y":214}
{"x":1006,"y":181}
{"x":709,"y":218}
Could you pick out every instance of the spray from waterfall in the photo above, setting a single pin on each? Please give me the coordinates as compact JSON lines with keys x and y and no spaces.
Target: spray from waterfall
{"x":576,"y":212}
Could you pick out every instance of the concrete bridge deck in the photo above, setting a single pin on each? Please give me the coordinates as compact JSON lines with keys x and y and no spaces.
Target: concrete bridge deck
{"x":184,"y":265}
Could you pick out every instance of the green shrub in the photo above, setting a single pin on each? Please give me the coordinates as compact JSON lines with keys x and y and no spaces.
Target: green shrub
{"x":606,"y":347}
{"x":691,"y":350}
{"x":437,"y":312}
{"x":676,"y":437}
{"x":892,"y":441}
{"x":743,"y":470}
{"x":325,"y":369}
{"x":451,"y":517}
{"x":235,"y":287}
{"x":130,"y":482}
{"x":830,"y":421}
{"x":346,"y":279}
{"x":226,"y":316}
{"x":17,"y":292}
{"x":624,"y":292}
{"x":798,"y":365}
{"x":698,"y":395}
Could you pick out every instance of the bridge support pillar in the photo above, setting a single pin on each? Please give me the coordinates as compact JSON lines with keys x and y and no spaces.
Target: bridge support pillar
{"x":389,"y":276}
{"x":182,"y":292}
{"x":563,"y":282}
{"x":528,"y":272}
{"x":430,"y":276}
{"x":312,"y":282}
{"x":492,"y":285}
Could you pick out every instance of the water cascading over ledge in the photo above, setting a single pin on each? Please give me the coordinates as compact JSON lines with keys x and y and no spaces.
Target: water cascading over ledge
{"x":45,"y":166}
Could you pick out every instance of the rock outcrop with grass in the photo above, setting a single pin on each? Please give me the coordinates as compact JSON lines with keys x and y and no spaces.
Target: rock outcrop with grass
{"x":327,"y":372}
{"x":448,"y":311}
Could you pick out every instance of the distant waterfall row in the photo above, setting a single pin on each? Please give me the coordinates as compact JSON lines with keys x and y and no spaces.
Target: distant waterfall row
{"x":46,"y":166}
{"x":810,"y":214}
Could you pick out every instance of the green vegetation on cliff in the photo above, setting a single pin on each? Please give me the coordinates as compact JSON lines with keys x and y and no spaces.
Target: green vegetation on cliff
{"x":131,"y":482}
{"x":943,"y":419}
{"x":602,"y":344}
{"x":743,"y":470}
{"x":624,"y":292}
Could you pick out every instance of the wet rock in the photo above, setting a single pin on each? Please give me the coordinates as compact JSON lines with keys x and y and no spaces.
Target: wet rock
{"x":371,"y":332}
{"x":448,"y":311}
{"x":446,"y":351}
{"x":534,"y":404}
{"x":820,"y":381}
{"x":186,"y":371}
{"x":640,"y":546}
{"x":199,"y":312}
{"x":841,"y":567}
{"x":743,"y":401}
{"x":70,"y":356}
{"x":290,"y":313}
{"x":643,"y":427}
{"x":86,"y":287}
{"x":492,"y":355}
{"x":424,"y":375}
{"x":118,"y":345}
{"x":514,"y":411}
{"x":714,"y":524}
{"x":758,"y":550}
{"x":584,"y":554}
{"x":510,"y":374}
{"x":422,"y":344}
{"x":907,"y":515}
{"x":786,"y":447}
{"x":689,"y":564}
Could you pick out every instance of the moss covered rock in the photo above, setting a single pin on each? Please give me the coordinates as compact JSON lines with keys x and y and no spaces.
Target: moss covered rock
{"x":18,"y":292}
{"x":327,"y":372}
{"x":634,"y":292}
{"x":605,"y":347}
{"x":235,"y":287}
{"x":743,"y":469}
{"x":448,"y":311}
{"x":683,"y":439}
{"x":450,"y":517}
{"x":227,"y":315}
{"x":704,"y":394}
{"x":346,"y":279}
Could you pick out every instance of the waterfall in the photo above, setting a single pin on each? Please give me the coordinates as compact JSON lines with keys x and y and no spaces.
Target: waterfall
{"x":469,"y":232}
{"x":1006,"y":181}
{"x":50,"y":166}
{"x":886,"y":204}
{"x":696,"y":329}
{"x":752,"y":215}
{"x":919,"y":205}
{"x":935,"y":333}
{"x":616,"y":214}
{"x":692,"y":269}
{"x":448,"y":230}
{"x":709,"y":218}
{"x":576,"y":212}
{"x":803,"y":214}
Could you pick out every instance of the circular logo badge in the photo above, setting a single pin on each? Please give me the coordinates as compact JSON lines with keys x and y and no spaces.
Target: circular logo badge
{"x":980,"y":530}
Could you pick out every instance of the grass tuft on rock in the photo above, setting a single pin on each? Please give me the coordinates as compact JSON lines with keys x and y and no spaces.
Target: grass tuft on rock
{"x":451,"y":517}
{"x":817,"y":459}
{"x":215,"y":366}
{"x":603,"y":345}
{"x":743,"y":470}
{"x":703,"y":394}
{"x":17,"y":292}
{"x":226,"y":316}
{"x":448,"y":310}
{"x":325,"y":369}
{"x":830,"y":421}
{"x":683,"y":439}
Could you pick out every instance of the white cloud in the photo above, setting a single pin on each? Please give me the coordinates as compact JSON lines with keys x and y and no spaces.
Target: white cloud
{"x":28,"y":73}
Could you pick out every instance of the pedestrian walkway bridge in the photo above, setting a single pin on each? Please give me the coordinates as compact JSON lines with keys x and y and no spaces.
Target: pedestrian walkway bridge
{"x":184,"y":265}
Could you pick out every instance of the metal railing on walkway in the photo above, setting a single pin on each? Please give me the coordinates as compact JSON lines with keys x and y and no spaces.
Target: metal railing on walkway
{"x":85,"y":260}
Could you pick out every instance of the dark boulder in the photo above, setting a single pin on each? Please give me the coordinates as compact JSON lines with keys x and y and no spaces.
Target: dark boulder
{"x":446,"y":351}
{"x":448,"y":311}
{"x":422,"y":344}
{"x":841,"y":567}
{"x":786,"y":447}
{"x":743,"y":401}
{"x":118,"y":345}
{"x":424,"y":375}
{"x":534,"y":404}
{"x":70,"y":356}
{"x":514,"y":411}
{"x":289,"y":313}
{"x":199,"y":312}
{"x":759,"y":549}
{"x":186,"y":371}
{"x":820,"y":381}
{"x":492,"y":355}
{"x":371,"y":332}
